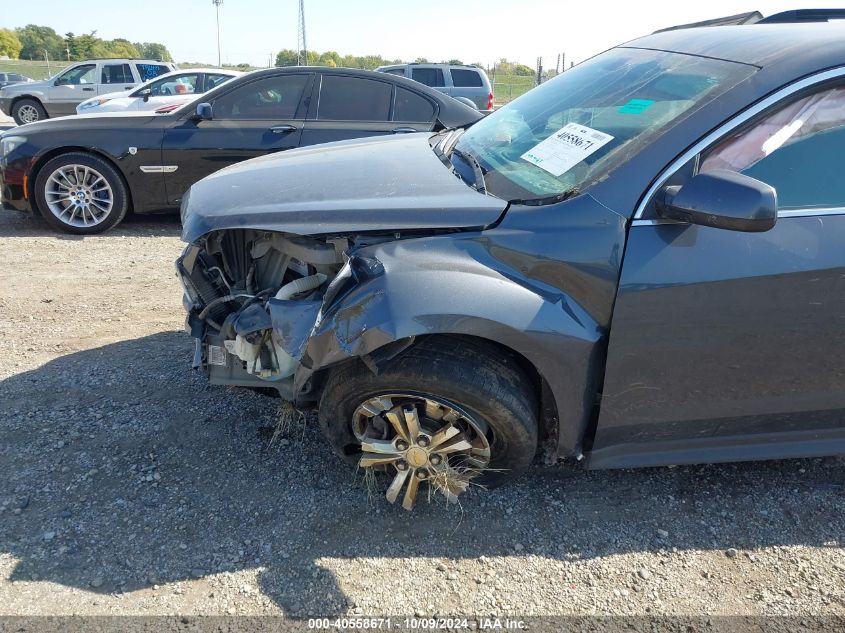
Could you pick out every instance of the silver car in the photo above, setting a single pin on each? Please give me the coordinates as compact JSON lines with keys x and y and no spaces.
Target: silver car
{"x":458,"y":81}
{"x":59,"y":95}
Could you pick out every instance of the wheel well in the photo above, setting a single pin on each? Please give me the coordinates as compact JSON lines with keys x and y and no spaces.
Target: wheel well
{"x":33,"y":97}
{"x":53,"y":153}
{"x":547,"y":413}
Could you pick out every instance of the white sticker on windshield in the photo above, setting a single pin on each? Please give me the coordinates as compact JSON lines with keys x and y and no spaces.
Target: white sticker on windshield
{"x":566,"y":148}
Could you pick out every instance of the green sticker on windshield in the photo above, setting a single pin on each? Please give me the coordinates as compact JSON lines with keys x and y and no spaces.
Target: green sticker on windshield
{"x":636,"y":106}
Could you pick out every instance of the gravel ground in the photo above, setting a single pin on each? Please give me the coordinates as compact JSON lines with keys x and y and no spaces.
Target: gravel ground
{"x":130,"y":486}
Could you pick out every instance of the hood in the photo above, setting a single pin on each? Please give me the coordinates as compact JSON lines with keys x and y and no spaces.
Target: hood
{"x":374,"y":184}
{"x":92,"y":120}
{"x":24,"y":86}
{"x":108,"y":95}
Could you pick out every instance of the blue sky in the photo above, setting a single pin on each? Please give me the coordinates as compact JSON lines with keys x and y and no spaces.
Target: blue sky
{"x":253,"y":30}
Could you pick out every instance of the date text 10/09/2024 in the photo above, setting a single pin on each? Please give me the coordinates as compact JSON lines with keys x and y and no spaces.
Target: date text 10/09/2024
{"x":432,"y":624}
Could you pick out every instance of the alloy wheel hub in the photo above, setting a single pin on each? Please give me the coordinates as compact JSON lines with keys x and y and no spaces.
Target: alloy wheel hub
{"x":79,"y":195}
{"x":421,"y":439}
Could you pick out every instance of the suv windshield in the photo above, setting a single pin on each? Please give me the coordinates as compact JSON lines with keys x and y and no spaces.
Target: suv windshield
{"x":572,"y":130}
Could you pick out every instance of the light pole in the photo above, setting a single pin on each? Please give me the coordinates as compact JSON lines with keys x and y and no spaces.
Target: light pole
{"x":217,"y":4}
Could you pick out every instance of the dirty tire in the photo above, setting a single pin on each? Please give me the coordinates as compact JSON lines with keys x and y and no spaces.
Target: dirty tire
{"x":28,"y":111}
{"x":475,"y":375}
{"x":119,"y":192}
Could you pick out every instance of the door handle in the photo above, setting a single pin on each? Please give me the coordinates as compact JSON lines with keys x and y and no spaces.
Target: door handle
{"x":403,"y":130}
{"x":283,"y":129}
{"x":87,"y":90}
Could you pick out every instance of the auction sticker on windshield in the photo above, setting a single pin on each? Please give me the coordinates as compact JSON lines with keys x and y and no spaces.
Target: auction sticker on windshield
{"x":566,"y":148}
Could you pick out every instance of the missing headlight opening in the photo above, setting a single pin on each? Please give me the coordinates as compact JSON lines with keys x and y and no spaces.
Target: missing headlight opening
{"x":252,"y":299}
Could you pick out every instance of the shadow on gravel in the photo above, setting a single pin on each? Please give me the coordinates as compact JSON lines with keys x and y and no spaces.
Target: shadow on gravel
{"x":18,"y":224}
{"x":127,"y":469}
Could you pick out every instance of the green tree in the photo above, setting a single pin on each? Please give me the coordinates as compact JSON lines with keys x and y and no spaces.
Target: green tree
{"x":421,"y":60}
{"x":153,"y":50}
{"x":122,"y":48}
{"x":330,"y":58}
{"x":455,"y":61}
{"x":86,"y":46}
{"x":286,"y":57}
{"x":523,"y":70}
{"x":37,"y":39}
{"x":10,"y":44}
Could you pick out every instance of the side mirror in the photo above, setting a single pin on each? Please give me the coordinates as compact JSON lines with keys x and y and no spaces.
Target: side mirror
{"x":146,"y":94}
{"x":203,"y":112}
{"x":721,"y":199}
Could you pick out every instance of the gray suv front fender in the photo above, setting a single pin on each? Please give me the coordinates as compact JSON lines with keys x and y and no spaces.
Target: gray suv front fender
{"x":390,"y":293}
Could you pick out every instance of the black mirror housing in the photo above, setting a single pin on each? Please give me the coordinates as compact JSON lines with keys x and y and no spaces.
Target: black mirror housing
{"x":721,"y":199}
{"x":203,"y":112}
{"x":146,"y":94}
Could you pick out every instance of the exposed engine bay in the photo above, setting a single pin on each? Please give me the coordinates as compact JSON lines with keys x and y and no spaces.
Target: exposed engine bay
{"x":234,"y":281}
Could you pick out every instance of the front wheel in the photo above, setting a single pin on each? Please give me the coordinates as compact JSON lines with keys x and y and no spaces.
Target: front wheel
{"x":81,"y":193}
{"x":28,"y":111}
{"x":450,"y":412}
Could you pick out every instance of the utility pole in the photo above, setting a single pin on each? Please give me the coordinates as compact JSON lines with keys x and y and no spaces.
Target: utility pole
{"x":47,"y":59}
{"x":301,"y":46}
{"x":217,"y":4}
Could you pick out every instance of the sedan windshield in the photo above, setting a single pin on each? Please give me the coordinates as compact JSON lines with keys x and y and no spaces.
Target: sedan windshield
{"x":574,"y":129}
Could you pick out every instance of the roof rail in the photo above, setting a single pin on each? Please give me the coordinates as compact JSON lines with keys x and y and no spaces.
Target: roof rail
{"x":740,"y":18}
{"x":804,"y":15}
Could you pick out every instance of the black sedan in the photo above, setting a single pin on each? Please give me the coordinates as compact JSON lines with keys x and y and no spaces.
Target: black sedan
{"x":82,"y":174}
{"x":641,"y":263}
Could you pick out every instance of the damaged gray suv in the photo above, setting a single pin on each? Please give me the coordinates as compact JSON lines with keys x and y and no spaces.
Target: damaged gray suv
{"x":639,"y":262}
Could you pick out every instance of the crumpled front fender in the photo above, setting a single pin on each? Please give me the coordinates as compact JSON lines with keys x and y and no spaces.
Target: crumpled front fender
{"x":446,"y":285}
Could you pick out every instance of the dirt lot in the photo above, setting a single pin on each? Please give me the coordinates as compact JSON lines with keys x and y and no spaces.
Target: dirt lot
{"x":129,"y":486}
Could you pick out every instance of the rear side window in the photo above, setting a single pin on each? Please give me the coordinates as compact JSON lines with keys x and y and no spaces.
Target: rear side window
{"x":171,"y":86}
{"x":212,"y":81}
{"x":354,"y":99}
{"x":396,"y":71}
{"x":412,"y":107}
{"x":151,"y":71}
{"x":466,"y":78}
{"x":117,"y":74}
{"x":428,"y":76}
{"x":274,"y":99}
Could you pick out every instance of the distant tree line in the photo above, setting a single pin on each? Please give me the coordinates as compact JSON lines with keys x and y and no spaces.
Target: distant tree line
{"x":289,"y":57}
{"x":34,"y":42}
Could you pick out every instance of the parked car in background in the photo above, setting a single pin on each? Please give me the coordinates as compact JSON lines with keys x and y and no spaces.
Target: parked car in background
{"x":176,"y":88}
{"x":58,"y":96}
{"x":7,"y":79}
{"x":469,"y":82}
{"x":148,"y":162}
{"x":641,"y":262}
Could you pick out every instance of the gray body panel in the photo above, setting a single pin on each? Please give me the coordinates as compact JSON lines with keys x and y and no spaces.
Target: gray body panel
{"x":723,"y":338}
{"x":534,"y":284}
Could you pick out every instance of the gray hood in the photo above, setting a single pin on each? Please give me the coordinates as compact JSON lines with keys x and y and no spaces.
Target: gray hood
{"x":373,"y":184}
